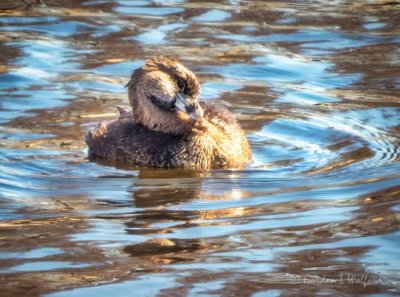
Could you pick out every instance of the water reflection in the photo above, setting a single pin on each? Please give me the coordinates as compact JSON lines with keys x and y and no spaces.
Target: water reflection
{"x":315,"y":86}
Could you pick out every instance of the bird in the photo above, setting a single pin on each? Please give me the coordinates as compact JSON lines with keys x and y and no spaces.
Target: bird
{"x":168,"y":126}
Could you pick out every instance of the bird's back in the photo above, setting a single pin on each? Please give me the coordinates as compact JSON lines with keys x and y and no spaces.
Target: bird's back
{"x":124,"y":140}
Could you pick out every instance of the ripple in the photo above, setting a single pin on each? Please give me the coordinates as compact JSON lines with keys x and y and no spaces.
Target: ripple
{"x":148,"y":11}
{"x":158,"y":36}
{"x":28,"y":20}
{"x":213,"y":15}
{"x":151,"y":285}
{"x":314,"y":87}
{"x":32,"y":254}
{"x":44,"y":266}
{"x":64,"y":29}
{"x":118,"y":69}
{"x":313,"y":42}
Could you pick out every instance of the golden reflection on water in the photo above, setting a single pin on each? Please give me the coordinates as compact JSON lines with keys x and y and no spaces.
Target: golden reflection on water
{"x":315,"y":86}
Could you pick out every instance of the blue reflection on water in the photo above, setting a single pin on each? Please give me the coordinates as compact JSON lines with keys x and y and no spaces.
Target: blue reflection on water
{"x":213,"y":90}
{"x":32,"y":254}
{"x":311,"y":40}
{"x":151,"y":284}
{"x":152,"y":11}
{"x":118,"y":69}
{"x":44,"y":266}
{"x":60,"y":29}
{"x":296,"y":138}
{"x":213,"y":15}
{"x":158,"y":35}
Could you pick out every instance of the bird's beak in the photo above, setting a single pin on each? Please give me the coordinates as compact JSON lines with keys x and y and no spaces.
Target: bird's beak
{"x":189,"y":105}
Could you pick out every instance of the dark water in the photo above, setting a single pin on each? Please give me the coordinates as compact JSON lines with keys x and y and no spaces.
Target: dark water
{"x":315,"y":84}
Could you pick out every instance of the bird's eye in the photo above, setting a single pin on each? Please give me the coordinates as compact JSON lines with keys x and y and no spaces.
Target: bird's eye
{"x":181,"y":84}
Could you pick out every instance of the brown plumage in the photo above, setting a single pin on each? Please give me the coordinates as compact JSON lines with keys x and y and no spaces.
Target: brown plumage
{"x":168,"y":127}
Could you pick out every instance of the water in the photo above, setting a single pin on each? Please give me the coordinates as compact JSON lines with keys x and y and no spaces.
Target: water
{"x":315,"y":85}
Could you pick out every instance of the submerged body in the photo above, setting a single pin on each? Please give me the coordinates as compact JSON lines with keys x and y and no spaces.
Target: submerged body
{"x":168,"y":127}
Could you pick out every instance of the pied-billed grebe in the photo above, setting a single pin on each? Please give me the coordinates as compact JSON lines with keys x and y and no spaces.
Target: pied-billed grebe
{"x":169,"y":127}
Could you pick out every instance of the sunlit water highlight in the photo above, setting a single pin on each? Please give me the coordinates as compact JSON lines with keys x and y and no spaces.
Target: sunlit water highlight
{"x":315,"y":85}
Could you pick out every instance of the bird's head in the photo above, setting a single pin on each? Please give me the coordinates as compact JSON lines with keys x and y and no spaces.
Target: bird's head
{"x":164,"y":96}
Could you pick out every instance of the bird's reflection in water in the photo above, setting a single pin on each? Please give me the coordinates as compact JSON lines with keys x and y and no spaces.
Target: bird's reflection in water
{"x":161,"y":194}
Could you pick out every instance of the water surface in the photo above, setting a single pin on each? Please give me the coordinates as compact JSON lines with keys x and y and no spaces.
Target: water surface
{"x":315,"y":85}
